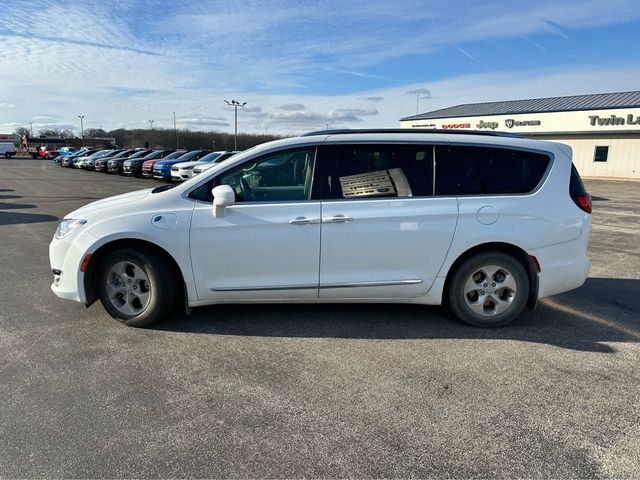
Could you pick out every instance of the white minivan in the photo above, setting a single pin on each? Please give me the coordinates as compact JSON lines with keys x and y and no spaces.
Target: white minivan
{"x":7,"y":149}
{"x":486,"y":223}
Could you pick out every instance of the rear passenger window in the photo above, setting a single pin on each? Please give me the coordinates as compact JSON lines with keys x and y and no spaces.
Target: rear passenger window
{"x":482,"y":170}
{"x":366,"y":171}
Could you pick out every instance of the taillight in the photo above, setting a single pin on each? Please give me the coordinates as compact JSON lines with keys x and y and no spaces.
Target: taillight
{"x":584,"y":202}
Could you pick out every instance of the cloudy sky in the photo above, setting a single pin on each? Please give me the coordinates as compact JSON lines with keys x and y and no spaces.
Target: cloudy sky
{"x":300,"y":65}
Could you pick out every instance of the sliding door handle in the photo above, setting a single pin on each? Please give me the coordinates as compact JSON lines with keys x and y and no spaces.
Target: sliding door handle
{"x":337,"y":219}
{"x":304,"y":221}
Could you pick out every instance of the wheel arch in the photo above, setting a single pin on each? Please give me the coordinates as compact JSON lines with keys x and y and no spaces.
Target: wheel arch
{"x":91,"y":272}
{"x":509,"y":248}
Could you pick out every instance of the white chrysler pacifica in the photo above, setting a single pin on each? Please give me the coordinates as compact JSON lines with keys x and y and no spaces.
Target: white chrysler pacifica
{"x":486,"y":223}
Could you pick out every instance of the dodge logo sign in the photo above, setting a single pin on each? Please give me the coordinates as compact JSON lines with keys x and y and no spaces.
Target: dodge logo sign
{"x":509,"y":123}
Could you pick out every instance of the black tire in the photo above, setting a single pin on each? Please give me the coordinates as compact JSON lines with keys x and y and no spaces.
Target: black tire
{"x":472,"y":269}
{"x":162,"y":286}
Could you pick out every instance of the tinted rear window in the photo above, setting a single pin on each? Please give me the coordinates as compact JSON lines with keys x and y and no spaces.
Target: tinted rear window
{"x":576,"y":187}
{"x":487,"y":171}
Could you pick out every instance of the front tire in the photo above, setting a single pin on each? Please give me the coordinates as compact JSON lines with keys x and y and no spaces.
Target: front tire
{"x":489,"y":290}
{"x":137,"y":288}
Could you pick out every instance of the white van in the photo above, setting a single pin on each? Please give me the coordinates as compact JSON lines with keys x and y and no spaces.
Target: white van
{"x":486,"y":223}
{"x":7,"y":149}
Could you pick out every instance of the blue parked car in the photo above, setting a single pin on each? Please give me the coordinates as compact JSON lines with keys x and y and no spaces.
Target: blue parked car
{"x":162,"y":169}
{"x":67,"y":151}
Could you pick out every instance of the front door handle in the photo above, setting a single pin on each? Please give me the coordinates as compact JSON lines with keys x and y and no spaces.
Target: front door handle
{"x":303,"y":221}
{"x":337,"y":219}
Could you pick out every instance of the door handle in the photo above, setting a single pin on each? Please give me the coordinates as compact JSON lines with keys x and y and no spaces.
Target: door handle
{"x":337,"y":219}
{"x":303,"y":221}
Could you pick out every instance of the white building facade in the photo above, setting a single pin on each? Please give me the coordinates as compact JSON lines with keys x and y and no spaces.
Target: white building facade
{"x":602,"y":129}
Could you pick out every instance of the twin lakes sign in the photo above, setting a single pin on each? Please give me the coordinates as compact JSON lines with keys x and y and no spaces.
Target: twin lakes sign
{"x":613,"y":120}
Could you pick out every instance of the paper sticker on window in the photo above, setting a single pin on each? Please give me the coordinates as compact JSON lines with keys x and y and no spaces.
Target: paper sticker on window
{"x":382,"y":183}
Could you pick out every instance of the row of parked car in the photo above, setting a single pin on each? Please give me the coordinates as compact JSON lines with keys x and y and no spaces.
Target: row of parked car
{"x":170,"y":165}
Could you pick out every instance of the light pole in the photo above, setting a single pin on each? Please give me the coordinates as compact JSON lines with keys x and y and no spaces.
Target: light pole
{"x":175,"y":129}
{"x":421,"y":95}
{"x":150,"y":124}
{"x":31,"y":128}
{"x":235,"y":104}
{"x":81,"y":117}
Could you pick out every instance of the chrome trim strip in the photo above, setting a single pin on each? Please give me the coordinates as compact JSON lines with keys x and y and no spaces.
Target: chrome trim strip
{"x":274,"y":287}
{"x":384,"y":283}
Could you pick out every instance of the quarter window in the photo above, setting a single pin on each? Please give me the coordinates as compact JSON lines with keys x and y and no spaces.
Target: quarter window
{"x":353,"y":171}
{"x":601,"y":154}
{"x":483,"y":170}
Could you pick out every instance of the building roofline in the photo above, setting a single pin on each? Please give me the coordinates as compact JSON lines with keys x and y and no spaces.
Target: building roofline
{"x":434,"y":115}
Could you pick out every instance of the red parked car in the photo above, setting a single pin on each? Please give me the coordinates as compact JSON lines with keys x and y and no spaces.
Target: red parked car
{"x":147,"y":167}
{"x":46,"y":152}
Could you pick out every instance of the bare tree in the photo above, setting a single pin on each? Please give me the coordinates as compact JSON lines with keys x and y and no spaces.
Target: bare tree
{"x":95,"y":132}
{"x":22,"y":131}
{"x":49,"y":132}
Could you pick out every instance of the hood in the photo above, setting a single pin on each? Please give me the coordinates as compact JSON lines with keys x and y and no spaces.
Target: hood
{"x":92,"y":208}
{"x":191,"y":164}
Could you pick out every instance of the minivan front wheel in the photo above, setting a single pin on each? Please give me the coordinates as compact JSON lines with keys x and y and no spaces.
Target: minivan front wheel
{"x":136,"y":288}
{"x":489,"y":290}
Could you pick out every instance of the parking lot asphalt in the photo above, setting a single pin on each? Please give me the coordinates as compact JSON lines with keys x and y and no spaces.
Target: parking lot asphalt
{"x":312,"y":391}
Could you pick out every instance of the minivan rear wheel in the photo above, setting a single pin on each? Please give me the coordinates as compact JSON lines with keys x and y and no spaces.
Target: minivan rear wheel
{"x":489,"y":290}
{"x":136,"y":288}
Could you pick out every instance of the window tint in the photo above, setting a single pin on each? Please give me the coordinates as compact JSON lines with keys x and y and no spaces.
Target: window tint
{"x":279,"y":177}
{"x":364,"y":171}
{"x":601,"y":154}
{"x":576,"y":187}
{"x":483,"y":170}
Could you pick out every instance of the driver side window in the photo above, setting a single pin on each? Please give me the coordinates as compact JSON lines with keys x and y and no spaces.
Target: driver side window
{"x":278,"y":177}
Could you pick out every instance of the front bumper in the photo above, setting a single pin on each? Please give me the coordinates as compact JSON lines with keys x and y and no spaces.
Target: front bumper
{"x":180,"y":175}
{"x":164,"y":174}
{"x":66,"y":256}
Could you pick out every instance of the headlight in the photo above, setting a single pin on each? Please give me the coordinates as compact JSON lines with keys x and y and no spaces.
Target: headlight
{"x":67,"y":226}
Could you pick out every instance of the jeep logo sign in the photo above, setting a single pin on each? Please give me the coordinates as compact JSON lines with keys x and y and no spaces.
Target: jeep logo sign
{"x":491,"y":125}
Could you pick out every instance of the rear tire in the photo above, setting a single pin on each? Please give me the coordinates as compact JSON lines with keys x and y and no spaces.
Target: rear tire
{"x":137,"y":288}
{"x":489,"y":290}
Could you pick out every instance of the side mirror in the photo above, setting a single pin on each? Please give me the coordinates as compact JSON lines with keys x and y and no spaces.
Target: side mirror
{"x":223,"y":197}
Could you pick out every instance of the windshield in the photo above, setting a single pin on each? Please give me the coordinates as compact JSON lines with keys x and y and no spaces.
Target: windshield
{"x":174,"y":155}
{"x":101,"y":153}
{"x":210,"y":157}
{"x":139,"y":154}
{"x":188,"y":155}
{"x":153,"y":155}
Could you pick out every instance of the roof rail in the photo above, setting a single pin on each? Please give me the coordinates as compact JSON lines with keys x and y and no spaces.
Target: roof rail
{"x":346,"y":131}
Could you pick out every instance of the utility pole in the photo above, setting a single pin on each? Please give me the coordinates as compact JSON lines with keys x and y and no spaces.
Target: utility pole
{"x":175,"y":129}
{"x":81,"y":117}
{"x":235,"y":104}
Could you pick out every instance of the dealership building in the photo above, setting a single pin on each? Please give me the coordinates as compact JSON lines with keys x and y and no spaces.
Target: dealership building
{"x":602,"y":129}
